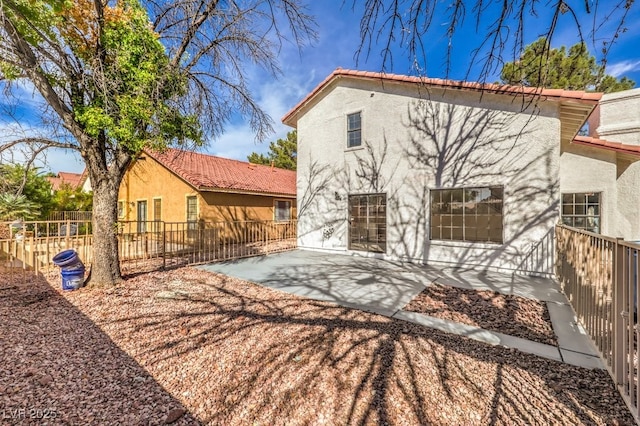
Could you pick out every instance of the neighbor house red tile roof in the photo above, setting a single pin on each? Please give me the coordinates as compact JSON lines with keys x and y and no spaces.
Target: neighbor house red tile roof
{"x":210,"y":173}
{"x":74,"y":180}
{"x":608,"y":145}
{"x":558,"y":94}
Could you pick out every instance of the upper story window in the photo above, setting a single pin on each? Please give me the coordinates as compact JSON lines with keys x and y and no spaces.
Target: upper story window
{"x":354,"y":130}
{"x":467,"y":214}
{"x":582,"y":211}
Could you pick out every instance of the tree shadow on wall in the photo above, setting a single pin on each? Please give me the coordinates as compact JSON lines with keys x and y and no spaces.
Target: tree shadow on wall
{"x":458,"y":146}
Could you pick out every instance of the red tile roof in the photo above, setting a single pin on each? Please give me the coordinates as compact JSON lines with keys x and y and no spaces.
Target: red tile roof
{"x":604,"y":144}
{"x":557,"y":94}
{"x":210,"y":173}
{"x":74,"y":180}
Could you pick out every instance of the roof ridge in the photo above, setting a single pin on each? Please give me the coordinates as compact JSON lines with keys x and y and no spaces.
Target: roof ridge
{"x":227,"y":159}
{"x":500,"y":89}
{"x":206,"y":172}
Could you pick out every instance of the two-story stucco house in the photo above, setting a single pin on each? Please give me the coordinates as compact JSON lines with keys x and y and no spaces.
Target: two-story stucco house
{"x":436,"y":171}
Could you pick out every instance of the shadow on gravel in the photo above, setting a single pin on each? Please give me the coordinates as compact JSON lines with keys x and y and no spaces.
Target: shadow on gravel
{"x":58,"y":367}
{"x":255,"y":355}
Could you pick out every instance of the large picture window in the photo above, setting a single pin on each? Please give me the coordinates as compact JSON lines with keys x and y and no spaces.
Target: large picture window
{"x":582,"y":211}
{"x":467,"y":214}
{"x":354,"y":130}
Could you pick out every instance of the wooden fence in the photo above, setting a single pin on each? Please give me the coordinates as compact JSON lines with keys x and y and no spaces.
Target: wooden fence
{"x":146,"y":245}
{"x":599,"y":275}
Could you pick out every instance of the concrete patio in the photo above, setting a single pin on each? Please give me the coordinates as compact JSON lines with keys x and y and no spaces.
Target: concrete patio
{"x":385,"y":287}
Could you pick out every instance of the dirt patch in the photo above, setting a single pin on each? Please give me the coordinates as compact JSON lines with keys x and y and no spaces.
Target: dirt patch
{"x":231,"y":352}
{"x":512,"y":315}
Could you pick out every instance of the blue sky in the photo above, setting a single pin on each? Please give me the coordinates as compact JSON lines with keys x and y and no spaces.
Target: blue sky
{"x":338,"y":31}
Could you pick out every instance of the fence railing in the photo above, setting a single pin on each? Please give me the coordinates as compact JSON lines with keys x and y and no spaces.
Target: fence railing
{"x":71,"y":215}
{"x":539,"y":260}
{"x":599,"y":275}
{"x":147,"y":245}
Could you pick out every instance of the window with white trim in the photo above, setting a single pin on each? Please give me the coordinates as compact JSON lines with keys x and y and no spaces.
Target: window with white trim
{"x":582,"y":210}
{"x":354,"y":130}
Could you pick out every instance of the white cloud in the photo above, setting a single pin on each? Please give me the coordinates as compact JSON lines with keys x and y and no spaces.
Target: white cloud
{"x":621,"y":68}
{"x":276,"y":98}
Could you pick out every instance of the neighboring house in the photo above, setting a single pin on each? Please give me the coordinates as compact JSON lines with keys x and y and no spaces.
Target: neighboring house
{"x":183,"y":186}
{"x":73,"y":180}
{"x":437,"y":171}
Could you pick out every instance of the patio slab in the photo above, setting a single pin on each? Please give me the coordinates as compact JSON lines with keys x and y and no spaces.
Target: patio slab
{"x":536,"y":288}
{"x":385,"y":287}
{"x":368,"y":284}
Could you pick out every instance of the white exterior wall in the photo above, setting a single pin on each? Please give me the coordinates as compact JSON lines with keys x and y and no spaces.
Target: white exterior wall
{"x":585,"y":169}
{"x":620,"y":117}
{"x":455,"y":139}
{"x":616,"y":175}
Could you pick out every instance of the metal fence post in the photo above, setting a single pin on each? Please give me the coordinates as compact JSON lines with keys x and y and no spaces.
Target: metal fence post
{"x":618,"y":312}
{"x":164,"y":245}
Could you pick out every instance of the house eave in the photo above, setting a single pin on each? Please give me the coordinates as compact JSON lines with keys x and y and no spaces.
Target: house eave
{"x":565,"y":97}
{"x":244,"y":192}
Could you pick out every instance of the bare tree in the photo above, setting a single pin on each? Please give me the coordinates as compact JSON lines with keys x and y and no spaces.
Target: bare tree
{"x":500,"y":26}
{"x":118,"y":77}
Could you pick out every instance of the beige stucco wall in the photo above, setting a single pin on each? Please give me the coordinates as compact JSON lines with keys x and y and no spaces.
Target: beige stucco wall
{"x":147,"y":179}
{"x":420,"y":141}
{"x":233,"y":207}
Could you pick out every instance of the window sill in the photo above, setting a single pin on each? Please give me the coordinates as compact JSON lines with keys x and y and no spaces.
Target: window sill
{"x":465,"y":243}
{"x":354,"y":148}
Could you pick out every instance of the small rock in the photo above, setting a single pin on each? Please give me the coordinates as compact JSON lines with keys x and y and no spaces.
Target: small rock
{"x":30,"y":372}
{"x":174,"y":415}
{"x":45,"y":380}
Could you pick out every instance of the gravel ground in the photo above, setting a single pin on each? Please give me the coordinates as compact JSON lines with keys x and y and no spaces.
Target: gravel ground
{"x":233,"y":353}
{"x":513,"y":315}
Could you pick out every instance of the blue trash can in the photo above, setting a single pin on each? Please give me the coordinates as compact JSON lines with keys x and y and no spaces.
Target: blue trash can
{"x":71,"y":269}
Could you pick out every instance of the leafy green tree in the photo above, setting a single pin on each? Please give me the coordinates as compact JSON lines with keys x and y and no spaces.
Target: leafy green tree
{"x":16,"y":179}
{"x":67,"y":198}
{"x":17,"y":207}
{"x":282,"y":153}
{"x":575,"y":69}
{"x":122,"y":76}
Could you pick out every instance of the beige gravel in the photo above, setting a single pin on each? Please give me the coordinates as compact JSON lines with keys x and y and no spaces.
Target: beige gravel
{"x":233,"y":353}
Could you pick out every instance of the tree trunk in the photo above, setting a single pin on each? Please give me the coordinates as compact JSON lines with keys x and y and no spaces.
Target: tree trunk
{"x":105,"y":269}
